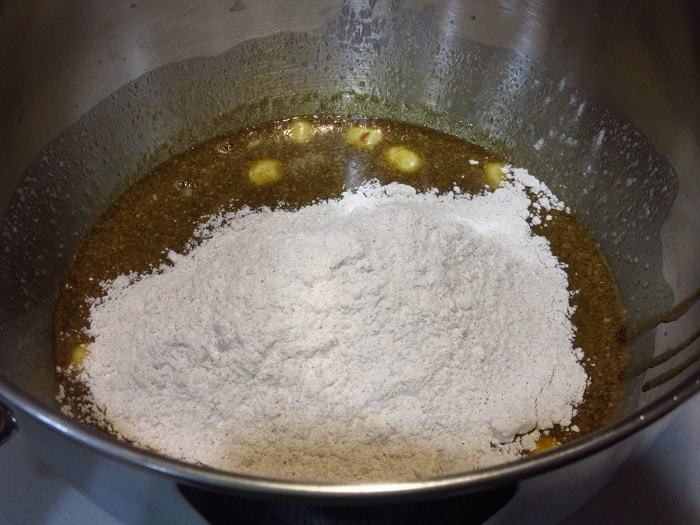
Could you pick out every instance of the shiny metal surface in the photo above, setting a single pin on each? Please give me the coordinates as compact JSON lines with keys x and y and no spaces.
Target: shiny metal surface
{"x":93,"y":93}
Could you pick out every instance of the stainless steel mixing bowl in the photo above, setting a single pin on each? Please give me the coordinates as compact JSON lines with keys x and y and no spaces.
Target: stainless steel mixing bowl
{"x":599,"y":99}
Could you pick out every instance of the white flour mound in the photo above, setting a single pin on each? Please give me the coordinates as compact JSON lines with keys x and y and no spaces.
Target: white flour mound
{"x":384,"y":335}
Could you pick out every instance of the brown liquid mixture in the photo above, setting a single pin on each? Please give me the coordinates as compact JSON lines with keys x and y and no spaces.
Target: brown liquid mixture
{"x":160,"y":212}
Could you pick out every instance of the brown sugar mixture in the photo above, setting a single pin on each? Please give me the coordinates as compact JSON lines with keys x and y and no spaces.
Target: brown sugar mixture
{"x":301,"y":161}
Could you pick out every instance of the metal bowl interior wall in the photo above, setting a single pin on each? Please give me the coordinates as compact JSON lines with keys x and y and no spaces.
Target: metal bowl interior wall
{"x":588,"y":99}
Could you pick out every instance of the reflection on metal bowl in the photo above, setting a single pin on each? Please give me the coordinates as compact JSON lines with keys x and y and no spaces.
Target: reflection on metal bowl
{"x":607,"y":92}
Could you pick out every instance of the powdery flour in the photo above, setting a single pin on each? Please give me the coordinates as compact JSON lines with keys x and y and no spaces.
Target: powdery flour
{"x":383,"y":335}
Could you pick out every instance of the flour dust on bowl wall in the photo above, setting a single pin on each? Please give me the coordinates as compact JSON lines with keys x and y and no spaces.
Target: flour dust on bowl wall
{"x":364,"y":248}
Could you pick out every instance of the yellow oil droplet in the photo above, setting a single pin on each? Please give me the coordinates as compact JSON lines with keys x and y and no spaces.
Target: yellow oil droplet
{"x":493,"y":171}
{"x":265,"y":171}
{"x":403,"y":159}
{"x":300,"y":131}
{"x":363,"y":137}
{"x":78,"y":355}
{"x":545,"y":443}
